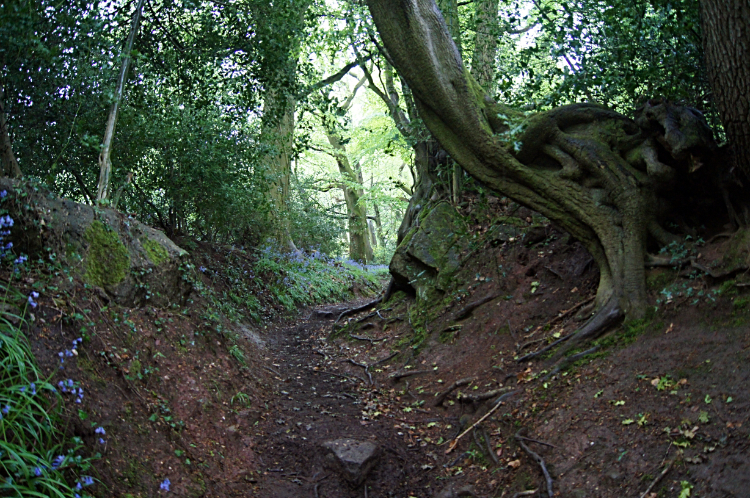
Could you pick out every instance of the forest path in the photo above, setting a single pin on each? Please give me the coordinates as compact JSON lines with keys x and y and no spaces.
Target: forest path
{"x":321,"y":396}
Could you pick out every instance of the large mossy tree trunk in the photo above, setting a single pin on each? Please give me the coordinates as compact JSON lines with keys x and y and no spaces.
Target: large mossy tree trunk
{"x":588,"y":169}
{"x":277,"y":136}
{"x":726,"y":36}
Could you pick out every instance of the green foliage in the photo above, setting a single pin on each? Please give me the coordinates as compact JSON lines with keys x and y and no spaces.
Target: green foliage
{"x":108,"y":259}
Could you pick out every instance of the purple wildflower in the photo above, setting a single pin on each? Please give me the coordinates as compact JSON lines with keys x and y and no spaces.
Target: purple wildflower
{"x":165,"y":485}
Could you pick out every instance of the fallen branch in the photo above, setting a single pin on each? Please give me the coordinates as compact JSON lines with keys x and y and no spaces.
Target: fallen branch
{"x":461,"y":382}
{"x":469,"y":308}
{"x":658,"y":478}
{"x":395,"y":377}
{"x":541,"y":463}
{"x":484,"y":417}
{"x":352,"y":311}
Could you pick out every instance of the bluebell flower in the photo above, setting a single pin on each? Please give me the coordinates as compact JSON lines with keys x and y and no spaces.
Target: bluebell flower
{"x":32,"y":303}
{"x":87,"y":480}
{"x":101,"y":441}
{"x":3,"y":194}
{"x":100,"y":430}
{"x":58,"y":461}
{"x":6,"y":409}
{"x":78,"y":486}
{"x":165,"y":485}
{"x":33,"y":389}
{"x":22,"y":388}
{"x":34,"y":294}
{"x":37,"y":471}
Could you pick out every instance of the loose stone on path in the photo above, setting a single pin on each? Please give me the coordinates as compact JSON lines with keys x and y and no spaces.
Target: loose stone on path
{"x":351,"y":458}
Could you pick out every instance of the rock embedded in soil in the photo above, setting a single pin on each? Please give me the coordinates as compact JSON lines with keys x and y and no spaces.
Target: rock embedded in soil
{"x":351,"y":458}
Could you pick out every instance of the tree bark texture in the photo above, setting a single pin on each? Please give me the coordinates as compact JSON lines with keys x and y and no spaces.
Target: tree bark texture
{"x":359,"y":242}
{"x":9,"y":162}
{"x":726,"y":36}
{"x":485,"y":44}
{"x":588,"y":169}
{"x":105,"y":164}
{"x":277,"y":135}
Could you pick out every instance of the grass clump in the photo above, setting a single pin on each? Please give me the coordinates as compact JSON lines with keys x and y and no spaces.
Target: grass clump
{"x":34,"y":461}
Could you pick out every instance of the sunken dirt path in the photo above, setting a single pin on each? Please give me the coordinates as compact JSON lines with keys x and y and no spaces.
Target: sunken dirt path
{"x":321,"y":396}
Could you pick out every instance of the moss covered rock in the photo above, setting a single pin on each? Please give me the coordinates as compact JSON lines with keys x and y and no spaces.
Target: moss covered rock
{"x":430,"y":253}
{"x":133,"y":263}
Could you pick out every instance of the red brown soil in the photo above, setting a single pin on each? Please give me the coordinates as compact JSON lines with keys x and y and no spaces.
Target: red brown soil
{"x":612,"y":430}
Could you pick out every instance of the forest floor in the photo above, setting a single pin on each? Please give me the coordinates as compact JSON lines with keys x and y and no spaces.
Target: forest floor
{"x":242,"y":407}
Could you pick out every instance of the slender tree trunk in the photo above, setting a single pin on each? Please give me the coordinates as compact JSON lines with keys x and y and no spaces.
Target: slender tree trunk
{"x":359,"y":243}
{"x":726,"y":37}
{"x":105,"y":164}
{"x":9,"y":162}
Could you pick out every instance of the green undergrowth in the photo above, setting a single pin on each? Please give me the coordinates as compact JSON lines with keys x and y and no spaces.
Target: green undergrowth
{"x":255,"y":284}
{"x":35,"y":459}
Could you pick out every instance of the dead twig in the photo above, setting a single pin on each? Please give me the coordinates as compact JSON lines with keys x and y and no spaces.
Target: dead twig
{"x":541,"y":463}
{"x":658,"y":478}
{"x":484,"y":417}
{"x":562,"y":315}
{"x":352,"y":311}
{"x":461,"y":382}
{"x":277,"y":374}
{"x":395,"y":377}
{"x":557,"y":274}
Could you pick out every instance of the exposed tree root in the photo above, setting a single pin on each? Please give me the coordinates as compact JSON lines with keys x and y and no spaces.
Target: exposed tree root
{"x":461,"y":382}
{"x":541,"y":463}
{"x":570,"y":359}
{"x":469,"y":308}
{"x":364,"y":307}
{"x":362,"y":365}
{"x":476,"y":398}
{"x":395,"y":377}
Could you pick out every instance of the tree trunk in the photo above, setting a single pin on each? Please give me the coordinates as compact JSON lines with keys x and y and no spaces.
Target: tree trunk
{"x":726,"y":38}
{"x":277,"y":134}
{"x":105,"y":164}
{"x":9,"y":163}
{"x":586,"y":168}
{"x":359,"y":242}
{"x":485,"y":44}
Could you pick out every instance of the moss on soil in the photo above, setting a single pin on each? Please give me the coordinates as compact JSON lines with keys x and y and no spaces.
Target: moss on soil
{"x":156,"y":252}
{"x":108,"y":259}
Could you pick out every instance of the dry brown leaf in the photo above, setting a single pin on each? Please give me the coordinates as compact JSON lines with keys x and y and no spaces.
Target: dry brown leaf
{"x":514,"y":464}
